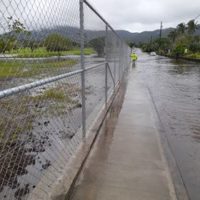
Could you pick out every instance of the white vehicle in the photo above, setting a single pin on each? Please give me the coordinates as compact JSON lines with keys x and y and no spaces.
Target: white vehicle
{"x":153,"y":54}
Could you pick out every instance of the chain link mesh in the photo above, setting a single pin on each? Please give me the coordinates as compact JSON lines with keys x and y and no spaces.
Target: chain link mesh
{"x":41,"y":127}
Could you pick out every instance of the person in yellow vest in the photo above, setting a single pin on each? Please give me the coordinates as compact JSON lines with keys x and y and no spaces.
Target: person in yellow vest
{"x":134,"y":57}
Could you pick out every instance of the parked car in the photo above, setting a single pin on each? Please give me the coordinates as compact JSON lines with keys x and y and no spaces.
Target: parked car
{"x":153,"y":54}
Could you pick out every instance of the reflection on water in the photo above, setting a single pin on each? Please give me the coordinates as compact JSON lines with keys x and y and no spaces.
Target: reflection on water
{"x":175,"y":87}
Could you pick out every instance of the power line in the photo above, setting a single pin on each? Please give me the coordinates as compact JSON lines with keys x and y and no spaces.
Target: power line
{"x":196,"y":17}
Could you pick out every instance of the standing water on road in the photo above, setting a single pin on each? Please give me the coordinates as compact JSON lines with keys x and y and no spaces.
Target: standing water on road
{"x":175,"y":89}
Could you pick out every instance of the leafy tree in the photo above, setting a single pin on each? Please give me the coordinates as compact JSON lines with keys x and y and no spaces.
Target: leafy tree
{"x":180,"y":41}
{"x":31,"y":43}
{"x":173,"y":35}
{"x":194,"y":47}
{"x":57,"y":42}
{"x":6,"y":44}
{"x":179,"y":50}
{"x":160,"y":45}
{"x":8,"y":41}
{"x":164,"y":45}
{"x":181,"y":28}
{"x":2,"y":45}
{"x":14,"y":25}
{"x":192,"y":26}
{"x":131,"y":45}
{"x":98,"y":44}
{"x":181,"y":44}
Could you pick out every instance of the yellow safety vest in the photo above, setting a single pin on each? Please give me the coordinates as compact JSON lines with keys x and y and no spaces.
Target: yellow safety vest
{"x":134,"y":57}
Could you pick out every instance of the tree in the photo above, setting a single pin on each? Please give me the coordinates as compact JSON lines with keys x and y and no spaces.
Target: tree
{"x":192,"y":26}
{"x":8,"y":41}
{"x":15,"y":26}
{"x":173,"y":35}
{"x":31,"y":43}
{"x":2,"y":45}
{"x":131,"y":44}
{"x":181,"y":28}
{"x":98,"y":44}
{"x":181,"y":44}
{"x":57,"y":42}
{"x":194,"y":45}
{"x":6,"y":44}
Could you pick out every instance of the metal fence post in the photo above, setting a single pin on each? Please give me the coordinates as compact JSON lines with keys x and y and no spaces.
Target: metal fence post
{"x":115,"y":62}
{"x":82,"y":67}
{"x":120,"y":61}
{"x":106,"y":69}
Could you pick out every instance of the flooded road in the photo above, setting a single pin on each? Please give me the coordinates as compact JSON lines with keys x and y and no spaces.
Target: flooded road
{"x":175,"y":90}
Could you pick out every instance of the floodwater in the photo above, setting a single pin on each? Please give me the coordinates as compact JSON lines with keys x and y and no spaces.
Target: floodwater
{"x":54,"y":134}
{"x":175,"y":90}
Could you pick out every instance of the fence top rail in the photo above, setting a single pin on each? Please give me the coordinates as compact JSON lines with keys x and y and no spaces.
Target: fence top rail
{"x":25,"y":87}
{"x":100,"y":16}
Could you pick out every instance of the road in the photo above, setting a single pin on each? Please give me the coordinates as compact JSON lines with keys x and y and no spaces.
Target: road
{"x":175,"y":90}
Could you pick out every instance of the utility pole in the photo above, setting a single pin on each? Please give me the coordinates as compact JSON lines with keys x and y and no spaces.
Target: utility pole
{"x":151,"y":41}
{"x":161,"y":27}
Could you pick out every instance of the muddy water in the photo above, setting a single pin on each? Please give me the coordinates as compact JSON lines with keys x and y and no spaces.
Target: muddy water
{"x":175,"y":89}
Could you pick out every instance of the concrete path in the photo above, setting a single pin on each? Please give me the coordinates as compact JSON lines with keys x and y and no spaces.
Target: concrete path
{"x":127,"y":163}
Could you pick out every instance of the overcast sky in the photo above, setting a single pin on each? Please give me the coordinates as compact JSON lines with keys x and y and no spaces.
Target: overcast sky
{"x":142,"y":15}
{"x":132,"y":15}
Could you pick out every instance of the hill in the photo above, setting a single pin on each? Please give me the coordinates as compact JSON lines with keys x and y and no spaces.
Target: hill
{"x":73,"y":33}
{"x":143,"y":36}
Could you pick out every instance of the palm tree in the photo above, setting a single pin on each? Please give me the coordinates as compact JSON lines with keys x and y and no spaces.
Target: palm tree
{"x":173,"y":35}
{"x":181,"y":28}
{"x":192,"y":26}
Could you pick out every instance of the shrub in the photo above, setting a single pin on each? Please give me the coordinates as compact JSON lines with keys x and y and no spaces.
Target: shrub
{"x":98,"y":44}
{"x":57,"y":42}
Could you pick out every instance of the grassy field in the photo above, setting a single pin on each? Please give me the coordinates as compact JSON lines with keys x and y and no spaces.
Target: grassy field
{"x":17,"y":69}
{"x":42,"y":52}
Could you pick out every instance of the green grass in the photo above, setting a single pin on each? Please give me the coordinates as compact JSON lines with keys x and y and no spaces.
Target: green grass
{"x":58,"y":99}
{"x":17,"y":69}
{"x":194,"y":55}
{"x":55,"y":94}
{"x":87,"y":51}
{"x":42,"y":52}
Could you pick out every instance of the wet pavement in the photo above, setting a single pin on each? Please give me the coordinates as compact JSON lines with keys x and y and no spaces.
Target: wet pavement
{"x":127,"y":161}
{"x":175,"y":90}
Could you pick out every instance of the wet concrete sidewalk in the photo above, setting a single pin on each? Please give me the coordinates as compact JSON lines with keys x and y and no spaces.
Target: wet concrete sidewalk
{"x":127,"y":161}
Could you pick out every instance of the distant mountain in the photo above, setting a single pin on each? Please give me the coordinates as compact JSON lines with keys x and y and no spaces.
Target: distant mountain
{"x":73,"y":33}
{"x":143,"y":36}
{"x":146,"y":35}
{"x":126,"y":35}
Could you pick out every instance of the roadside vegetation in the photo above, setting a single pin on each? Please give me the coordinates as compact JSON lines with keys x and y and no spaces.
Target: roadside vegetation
{"x":181,"y":42}
{"x":19,"y":42}
{"x":42,"y":52}
{"x":19,"y":69}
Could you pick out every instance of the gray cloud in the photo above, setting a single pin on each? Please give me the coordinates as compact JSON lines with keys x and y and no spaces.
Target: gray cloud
{"x":143,"y":15}
{"x":132,"y":15}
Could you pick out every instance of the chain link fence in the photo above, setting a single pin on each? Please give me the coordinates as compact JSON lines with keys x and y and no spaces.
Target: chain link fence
{"x":60,"y":63}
